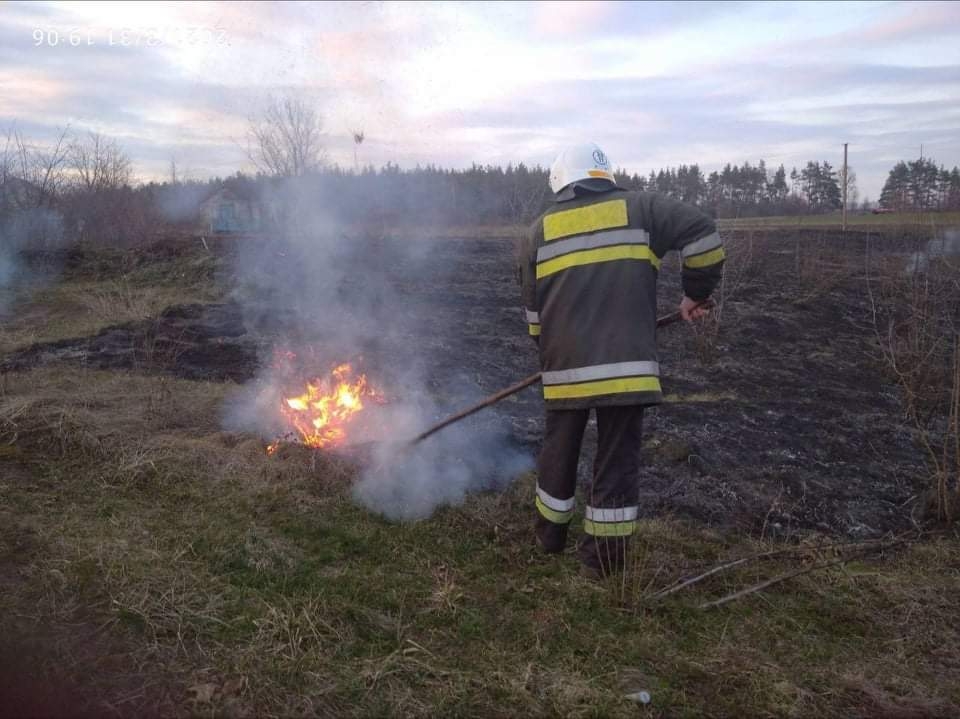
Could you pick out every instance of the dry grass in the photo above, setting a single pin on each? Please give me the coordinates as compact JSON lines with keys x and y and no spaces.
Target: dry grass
{"x":915,"y":322}
{"x":115,"y":291}
{"x":820,"y":267}
{"x":226,"y":582}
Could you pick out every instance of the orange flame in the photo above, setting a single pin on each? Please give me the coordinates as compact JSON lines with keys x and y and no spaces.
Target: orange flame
{"x":322,"y":414}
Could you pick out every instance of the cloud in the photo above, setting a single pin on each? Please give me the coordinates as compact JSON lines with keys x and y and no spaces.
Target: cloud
{"x":452,"y":83}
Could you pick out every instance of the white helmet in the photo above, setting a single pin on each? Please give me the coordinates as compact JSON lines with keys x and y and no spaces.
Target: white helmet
{"x":579,"y":162}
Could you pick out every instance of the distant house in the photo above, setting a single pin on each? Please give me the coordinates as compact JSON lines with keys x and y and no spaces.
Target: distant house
{"x":227,"y":211}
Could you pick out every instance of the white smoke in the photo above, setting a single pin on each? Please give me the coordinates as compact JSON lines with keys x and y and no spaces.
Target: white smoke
{"x":330,"y":299}
{"x":22,"y":230}
{"x":946,"y":246}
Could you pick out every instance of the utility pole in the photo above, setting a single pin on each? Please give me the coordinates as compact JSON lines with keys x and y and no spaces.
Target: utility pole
{"x":843,"y":226}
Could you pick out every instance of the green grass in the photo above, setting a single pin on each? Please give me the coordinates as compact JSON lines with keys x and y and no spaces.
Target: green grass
{"x":252,"y":585}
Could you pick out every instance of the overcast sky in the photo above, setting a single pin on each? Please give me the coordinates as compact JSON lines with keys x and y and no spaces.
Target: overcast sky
{"x":655,"y":84}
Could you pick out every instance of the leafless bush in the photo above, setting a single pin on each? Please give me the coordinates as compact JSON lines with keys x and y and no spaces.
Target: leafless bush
{"x":32,"y":175}
{"x":914,"y":315}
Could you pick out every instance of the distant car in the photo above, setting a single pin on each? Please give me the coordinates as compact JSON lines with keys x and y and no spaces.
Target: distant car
{"x":883,"y":211}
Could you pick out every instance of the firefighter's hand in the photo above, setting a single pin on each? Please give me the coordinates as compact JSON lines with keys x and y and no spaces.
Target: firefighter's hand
{"x":691,"y":310}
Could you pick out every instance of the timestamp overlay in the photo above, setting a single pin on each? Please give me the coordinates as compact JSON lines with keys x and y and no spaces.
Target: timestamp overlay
{"x":173,"y":36}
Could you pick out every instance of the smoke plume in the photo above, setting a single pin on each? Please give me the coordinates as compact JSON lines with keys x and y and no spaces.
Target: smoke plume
{"x":22,"y":230}
{"x":320,"y":298}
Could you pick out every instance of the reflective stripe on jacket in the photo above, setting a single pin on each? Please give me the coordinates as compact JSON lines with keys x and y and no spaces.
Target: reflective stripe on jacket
{"x":589,"y":270}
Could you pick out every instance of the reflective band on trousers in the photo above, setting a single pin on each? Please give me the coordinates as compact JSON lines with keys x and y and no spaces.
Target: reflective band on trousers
{"x":609,"y":529}
{"x":601,"y":254}
{"x":590,"y":242}
{"x":559,"y":505}
{"x":626,"y":385}
{"x":532,"y":317}
{"x":601,"y":371}
{"x":534,"y":330}
{"x":612,"y":514}
{"x":579,"y":221}
{"x":558,"y":511}
{"x":704,"y":244}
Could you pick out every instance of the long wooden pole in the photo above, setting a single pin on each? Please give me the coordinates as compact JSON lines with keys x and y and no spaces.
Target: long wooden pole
{"x":514,"y":388}
{"x":846,"y":182}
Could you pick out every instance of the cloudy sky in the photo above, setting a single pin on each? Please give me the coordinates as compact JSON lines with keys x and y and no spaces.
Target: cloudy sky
{"x":656,"y":84}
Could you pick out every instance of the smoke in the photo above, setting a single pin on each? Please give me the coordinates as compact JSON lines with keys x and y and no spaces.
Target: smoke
{"x":22,"y":230}
{"x":408,"y":483}
{"x":180,"y":202}
{"x":946,"y":246}
{"x":319,"y":298}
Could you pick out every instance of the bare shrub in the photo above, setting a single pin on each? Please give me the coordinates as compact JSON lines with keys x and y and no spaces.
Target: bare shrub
{"x":914,"y":315}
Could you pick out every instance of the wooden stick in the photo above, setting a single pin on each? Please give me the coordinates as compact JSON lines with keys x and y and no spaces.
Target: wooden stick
{"x":492,"y":399}
{"x":522,"y":384}
{"x":796,"y":573}
{"x":667,"y":591}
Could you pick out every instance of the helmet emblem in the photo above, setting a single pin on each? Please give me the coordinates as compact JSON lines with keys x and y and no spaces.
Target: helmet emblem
{"x":599,"y":158}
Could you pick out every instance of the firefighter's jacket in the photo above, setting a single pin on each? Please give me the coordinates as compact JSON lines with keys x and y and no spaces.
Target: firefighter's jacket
{"x":589,"y":270}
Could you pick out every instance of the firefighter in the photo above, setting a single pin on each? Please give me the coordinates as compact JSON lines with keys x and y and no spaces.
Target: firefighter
{"x":588,"y":268}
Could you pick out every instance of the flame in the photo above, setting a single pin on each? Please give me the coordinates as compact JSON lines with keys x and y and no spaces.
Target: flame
{"x":321,"y":416}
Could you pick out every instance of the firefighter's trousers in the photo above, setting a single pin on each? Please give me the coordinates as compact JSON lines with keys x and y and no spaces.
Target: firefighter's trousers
{"x":611,"y":497}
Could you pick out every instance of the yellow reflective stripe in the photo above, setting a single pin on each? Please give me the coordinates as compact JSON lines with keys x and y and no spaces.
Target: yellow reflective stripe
{"x":601,"y":254}
{"x":601,"y":216}
{"x":609,"y":529}
{"x":534,"y":329}
{"x":608,"y":386}
{"x":706,"y":259}
{"x":552,"y":514}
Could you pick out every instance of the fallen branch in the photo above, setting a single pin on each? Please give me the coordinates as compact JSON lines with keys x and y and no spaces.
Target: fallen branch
{"x":667,"y":591}
{"x":796,"y":573}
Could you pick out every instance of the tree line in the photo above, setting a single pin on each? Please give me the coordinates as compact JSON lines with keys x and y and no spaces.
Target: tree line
{"x":82,"y":187}
{"x":921,"y":185}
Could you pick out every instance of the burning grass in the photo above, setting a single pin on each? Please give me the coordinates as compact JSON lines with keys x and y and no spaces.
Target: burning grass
{"x":155,"y":564}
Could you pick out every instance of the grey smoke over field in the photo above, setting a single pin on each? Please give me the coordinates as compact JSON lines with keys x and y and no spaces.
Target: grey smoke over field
{"x":34,"y":229}
{"x":947,"y":246}
{"x":321,"y":298}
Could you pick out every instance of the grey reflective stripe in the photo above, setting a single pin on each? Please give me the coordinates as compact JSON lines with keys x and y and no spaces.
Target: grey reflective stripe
{"x":592,"y":242}
{"x":617,"y":514}
{"x":532,"y":317}
{"x":601,"y":371}
{"x":704,"y":244}
{"x":557,"y":505}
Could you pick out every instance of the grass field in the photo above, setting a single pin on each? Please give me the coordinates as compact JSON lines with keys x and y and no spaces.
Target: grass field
{"x":854,"y":220}
{"x":153,"y":564}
